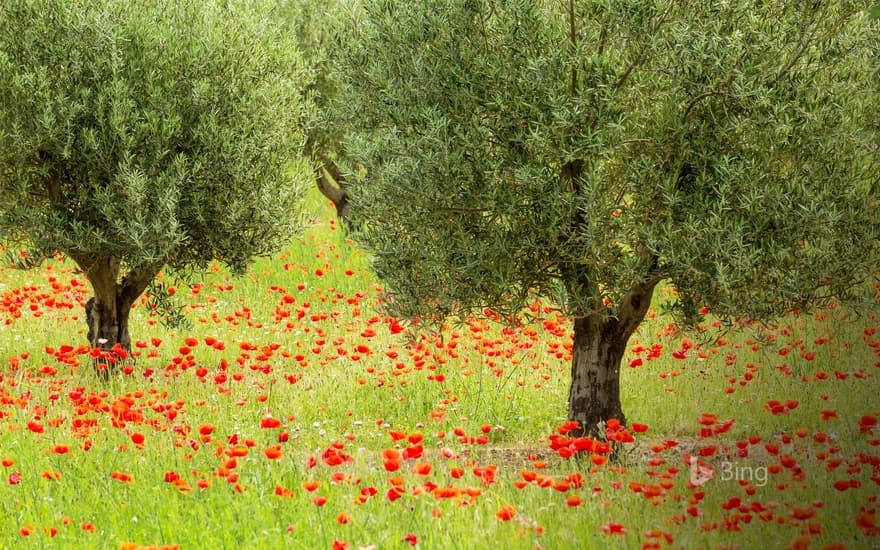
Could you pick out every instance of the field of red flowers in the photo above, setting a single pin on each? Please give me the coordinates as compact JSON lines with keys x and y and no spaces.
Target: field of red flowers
{"x":292,"y":413}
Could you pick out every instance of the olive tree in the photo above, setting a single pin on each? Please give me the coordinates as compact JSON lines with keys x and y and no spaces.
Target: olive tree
{"x":136,"y":137}
{"x":310,"y":23}
{"x":591,"y":150}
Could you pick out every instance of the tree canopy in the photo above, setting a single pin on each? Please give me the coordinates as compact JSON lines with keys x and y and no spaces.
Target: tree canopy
{"x":137,"y":136}
{"x":510,"y":148}
{"x":588,"y":150}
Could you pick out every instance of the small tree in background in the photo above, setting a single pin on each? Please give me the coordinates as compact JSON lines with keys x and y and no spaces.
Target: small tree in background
{"x":310,"y":23}
{"x":141,"y":136}
{"x":587,"y":151}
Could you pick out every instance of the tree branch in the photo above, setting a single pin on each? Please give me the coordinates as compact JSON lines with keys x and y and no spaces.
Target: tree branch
{"x":661,"y":19}
{"x":138,"y":279}
{"x":573,"y":44}
{"x":336,"y":193}
{"x":802,"y":47}
{"x":634,"y":306}
{"x":638,"y":61}
{"x":693,"y":102}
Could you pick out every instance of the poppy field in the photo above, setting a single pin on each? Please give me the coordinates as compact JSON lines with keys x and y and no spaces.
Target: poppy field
{"x":291,"y":413}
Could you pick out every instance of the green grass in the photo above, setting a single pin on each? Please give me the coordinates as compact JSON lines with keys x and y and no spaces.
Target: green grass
{"x":513,"y":382}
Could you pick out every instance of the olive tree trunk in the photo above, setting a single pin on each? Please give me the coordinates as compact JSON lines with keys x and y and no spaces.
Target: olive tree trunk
{"x":107,"y":312}
{"x":599,"y":345}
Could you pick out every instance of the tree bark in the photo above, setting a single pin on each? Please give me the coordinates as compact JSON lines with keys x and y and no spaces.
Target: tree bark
{"x":595,"y":373}
{"x":599,"y":345}
{"x":107,"y":312}
{"x":337,"y":193}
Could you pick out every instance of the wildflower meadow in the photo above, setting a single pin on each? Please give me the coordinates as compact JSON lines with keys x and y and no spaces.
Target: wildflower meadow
{"x":289,"y":412}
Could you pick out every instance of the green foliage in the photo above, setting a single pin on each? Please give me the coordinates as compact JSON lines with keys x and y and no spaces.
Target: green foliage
{"x":156,"y":133}
{"x":579,"y":149}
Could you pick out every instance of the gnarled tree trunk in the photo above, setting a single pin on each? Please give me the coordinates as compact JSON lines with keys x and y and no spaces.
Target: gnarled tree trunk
{"x":337,"y":193}
{"x":599,"y":346}
{"x":107,"y":312}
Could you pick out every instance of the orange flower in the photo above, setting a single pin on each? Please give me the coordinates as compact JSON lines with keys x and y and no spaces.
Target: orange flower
{"x":311,"y":485}
{"x":269,"y":422}
{"x":120,"y":476}
{"x":273,"y":452}
{"x":446,"y":492}
{"x":506,"y":513}
{"x":612,"y":528}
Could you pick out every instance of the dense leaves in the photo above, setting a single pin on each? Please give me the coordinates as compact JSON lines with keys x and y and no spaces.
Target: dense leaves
{"x":152,"y":134}
{"x":582,"y":149}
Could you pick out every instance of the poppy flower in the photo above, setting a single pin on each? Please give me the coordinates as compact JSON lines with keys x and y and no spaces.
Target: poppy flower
{"x":273,"y":452}
{"x":612,"y":528}
{"x":311,"y":485}
{"x":269,"y":422}
{"x":121,"y":476}
{"x":506,"y":513}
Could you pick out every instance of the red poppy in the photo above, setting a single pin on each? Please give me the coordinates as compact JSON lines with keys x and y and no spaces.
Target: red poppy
{"x":422,"y":469}
{"x":612,"y":528}
{"x":273,"y":452}
{"x":506,"y":513}
{"x":311,"y":485}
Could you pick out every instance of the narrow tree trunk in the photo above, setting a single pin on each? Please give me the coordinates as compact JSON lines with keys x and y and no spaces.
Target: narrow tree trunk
{"x":336,"y":193}
{"x":599,"y":345}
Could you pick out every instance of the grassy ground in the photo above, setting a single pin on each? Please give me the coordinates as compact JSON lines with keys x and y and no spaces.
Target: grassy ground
{"x":292,"y":414}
